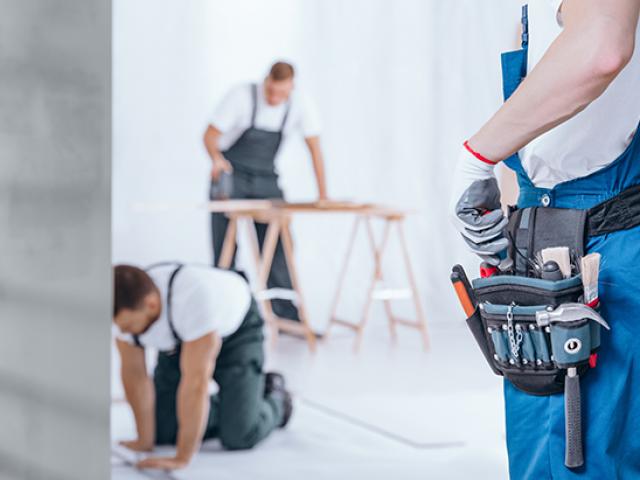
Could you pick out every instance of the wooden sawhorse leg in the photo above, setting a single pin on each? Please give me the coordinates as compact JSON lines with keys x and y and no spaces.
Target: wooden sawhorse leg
{"x":421,"y":321}
{"x":333,"y":319}
{"x":229,"y":247}
{"x":229,"y":244}
{"x":278,"y":228}
{"x":287,"y":245}
{"x":378,"y":254}
{"x":373,"y":293}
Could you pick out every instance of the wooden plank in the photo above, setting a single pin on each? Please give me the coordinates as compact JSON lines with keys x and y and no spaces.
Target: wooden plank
{"x":269,"y":207}
{"x":226,"y":206}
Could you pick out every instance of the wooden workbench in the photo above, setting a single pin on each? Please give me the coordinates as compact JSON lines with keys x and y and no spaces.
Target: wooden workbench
{"x":278,"y":214}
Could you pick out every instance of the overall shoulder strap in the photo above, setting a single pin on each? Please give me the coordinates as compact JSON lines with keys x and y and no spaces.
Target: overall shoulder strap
{"x":169,"y":295}
{"x":286,"y":115}
{"x":525,"y":26}
{"x":254,"y":99}
{"x":136,"y":338}
{"x":137,"y":342}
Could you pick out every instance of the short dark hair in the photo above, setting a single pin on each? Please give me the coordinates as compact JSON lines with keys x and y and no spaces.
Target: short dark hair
{"x":131,"y":286}
{"x":281,"y":71}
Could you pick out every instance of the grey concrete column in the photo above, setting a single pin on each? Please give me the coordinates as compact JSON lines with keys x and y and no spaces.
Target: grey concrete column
{"x":55,"y":276}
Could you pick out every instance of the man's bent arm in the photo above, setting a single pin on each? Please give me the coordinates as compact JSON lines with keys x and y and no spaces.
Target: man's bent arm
{"x":139,"y":391}
{"x":197,"y":362}
{"x":595,"y":45}
{"x":313,"y":143}
{"x":211,"y":136}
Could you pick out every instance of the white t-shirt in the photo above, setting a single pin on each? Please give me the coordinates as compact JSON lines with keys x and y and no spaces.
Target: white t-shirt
{"x":233,"y":115}
{"x":204,"y":300}
{"x":596,"y":136}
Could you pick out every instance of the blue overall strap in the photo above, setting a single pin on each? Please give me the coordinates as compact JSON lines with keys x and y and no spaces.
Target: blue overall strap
{"x":514,"y":64}
{"x":525,"y":26}
{"x":514,"y":70}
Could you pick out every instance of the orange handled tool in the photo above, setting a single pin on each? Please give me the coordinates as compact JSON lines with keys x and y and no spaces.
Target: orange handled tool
{"x":462,"y":288}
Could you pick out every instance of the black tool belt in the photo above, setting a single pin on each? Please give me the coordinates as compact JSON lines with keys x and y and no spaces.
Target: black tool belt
{"x":520,"y":320}
{"x":531,"y":356}
{"x":622,"y":212}
{"x":533,"y":229}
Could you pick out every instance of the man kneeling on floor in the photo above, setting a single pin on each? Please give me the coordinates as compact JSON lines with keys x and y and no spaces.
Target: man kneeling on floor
{"x":204,"y":323}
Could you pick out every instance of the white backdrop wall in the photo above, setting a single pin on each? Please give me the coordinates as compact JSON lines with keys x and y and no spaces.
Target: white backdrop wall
{"x":399,"y":85}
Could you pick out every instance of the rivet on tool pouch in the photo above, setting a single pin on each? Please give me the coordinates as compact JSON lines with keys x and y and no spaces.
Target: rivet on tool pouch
{"x":530,"y":318}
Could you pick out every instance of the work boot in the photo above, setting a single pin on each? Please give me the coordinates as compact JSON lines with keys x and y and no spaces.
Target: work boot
{"x":275,"y":387}
{"x":287,"y":407}
{"x":273,"y":381}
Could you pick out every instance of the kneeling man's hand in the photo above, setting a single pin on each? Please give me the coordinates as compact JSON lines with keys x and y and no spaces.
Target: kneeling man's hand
{"x":137,"y":445}
{"x":163,"y":463}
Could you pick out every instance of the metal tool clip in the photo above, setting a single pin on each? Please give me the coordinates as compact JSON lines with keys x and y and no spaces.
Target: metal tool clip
{"x":515,"y":339}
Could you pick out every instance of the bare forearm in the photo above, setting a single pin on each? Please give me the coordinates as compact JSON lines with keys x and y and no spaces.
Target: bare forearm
{"x":211,"y":137}
{"x":193,"y":409}
{"x":318,"y":165}
{"x":577,"y":68}
{"x":141,"y":396}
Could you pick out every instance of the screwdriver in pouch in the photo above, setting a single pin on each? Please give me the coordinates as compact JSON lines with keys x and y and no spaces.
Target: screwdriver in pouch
{"x":463,"y":290}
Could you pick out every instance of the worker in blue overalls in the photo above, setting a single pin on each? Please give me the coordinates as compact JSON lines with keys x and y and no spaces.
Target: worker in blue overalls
{"x":568,"y":129}
{"x":244,"y":137}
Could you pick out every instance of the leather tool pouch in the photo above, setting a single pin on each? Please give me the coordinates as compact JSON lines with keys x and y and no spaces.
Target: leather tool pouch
{"x":532,"y":357}
{"x":531,"y":230}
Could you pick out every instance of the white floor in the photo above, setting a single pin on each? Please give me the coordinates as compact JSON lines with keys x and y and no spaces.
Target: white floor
{"x":390,"y":411}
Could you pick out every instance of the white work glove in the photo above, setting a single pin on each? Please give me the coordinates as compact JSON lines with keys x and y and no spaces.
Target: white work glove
{"x":476,"y":209}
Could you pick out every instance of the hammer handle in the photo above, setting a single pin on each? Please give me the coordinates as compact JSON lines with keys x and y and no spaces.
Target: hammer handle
{"x":573,"y":421}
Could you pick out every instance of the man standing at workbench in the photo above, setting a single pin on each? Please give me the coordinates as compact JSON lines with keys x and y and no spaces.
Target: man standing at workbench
{"x":569,"y":130}
{"x":244,"y":137}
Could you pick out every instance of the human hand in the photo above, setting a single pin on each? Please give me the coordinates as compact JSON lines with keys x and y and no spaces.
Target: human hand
{"x":137,"y":445}
{"x":163,"y":463}
{"x":476,"y":208}
{"x":220,"y":164}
